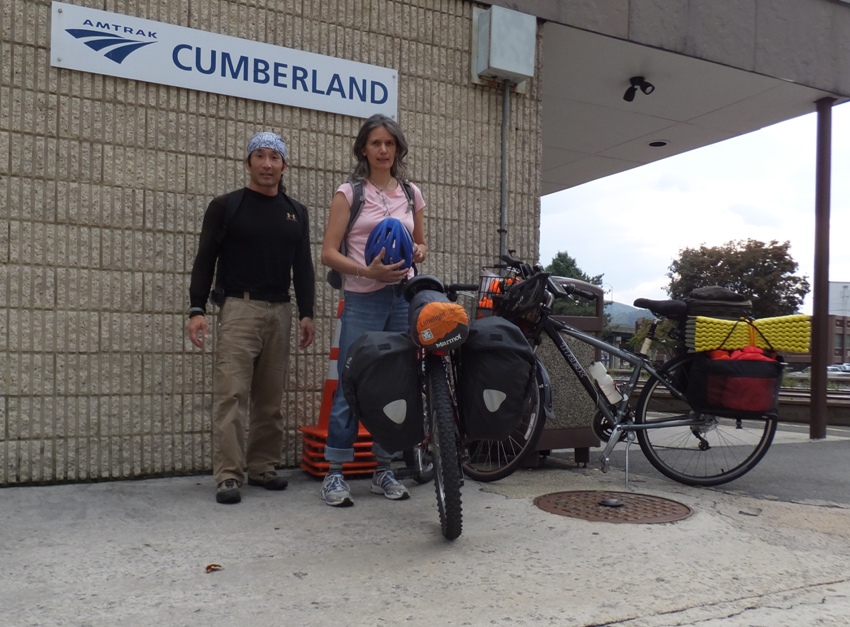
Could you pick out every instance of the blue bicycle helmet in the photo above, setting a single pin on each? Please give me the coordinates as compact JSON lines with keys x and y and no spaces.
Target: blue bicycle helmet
{"x":392,"y":235}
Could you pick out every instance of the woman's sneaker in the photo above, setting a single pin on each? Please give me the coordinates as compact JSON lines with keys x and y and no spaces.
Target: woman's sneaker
{"x":384,"y":482}
{"x":335,"y":491}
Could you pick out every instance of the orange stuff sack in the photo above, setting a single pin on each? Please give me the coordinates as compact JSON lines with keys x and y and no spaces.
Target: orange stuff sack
{"x":436,"y":323}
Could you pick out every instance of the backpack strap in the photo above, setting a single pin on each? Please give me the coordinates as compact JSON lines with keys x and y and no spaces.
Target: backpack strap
{"x":408,"y":193}
{"x":357,"y":200}
{"x":232,"y":203}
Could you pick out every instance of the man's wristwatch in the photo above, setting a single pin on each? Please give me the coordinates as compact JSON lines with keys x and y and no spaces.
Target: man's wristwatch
{"x":196,"y":311}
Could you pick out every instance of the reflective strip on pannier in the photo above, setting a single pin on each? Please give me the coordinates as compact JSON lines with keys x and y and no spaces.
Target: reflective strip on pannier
{"x":497,"y":380}
{"x":381,"y":384}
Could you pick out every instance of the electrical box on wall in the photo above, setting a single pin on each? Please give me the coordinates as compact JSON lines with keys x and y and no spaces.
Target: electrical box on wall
{"x":505,"y":45}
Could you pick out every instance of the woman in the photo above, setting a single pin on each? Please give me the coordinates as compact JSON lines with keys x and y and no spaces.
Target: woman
{"x":372,"y":292}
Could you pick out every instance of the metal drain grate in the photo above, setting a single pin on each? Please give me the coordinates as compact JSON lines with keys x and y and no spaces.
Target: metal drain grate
{"x":613,"y":507}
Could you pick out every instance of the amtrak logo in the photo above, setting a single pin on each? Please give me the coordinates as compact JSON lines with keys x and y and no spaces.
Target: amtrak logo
{"x":117,"y":47}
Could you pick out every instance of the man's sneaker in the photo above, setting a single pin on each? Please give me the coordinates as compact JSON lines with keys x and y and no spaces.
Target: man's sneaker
{"x":384,"y":482}
{"x":269,"y":481}
{"x":335,"y":491}
{"x":228,"y":492}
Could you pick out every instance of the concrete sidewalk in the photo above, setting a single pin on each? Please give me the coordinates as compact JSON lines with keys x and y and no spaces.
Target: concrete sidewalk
{"x":134,"y":553}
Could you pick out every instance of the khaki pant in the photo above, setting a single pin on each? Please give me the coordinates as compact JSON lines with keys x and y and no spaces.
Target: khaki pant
{"x":251,"y":365}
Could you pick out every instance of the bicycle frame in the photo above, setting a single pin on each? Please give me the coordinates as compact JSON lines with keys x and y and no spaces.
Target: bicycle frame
{"x":616,"y":414}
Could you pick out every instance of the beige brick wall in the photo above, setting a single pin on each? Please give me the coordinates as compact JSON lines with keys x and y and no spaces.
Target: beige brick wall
{"x":103,"y":185}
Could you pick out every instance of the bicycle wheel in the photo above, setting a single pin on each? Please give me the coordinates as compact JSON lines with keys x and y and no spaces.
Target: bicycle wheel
{"x":713,"y":451}
{"x":444,"y":449}
{"x":491,"y":460}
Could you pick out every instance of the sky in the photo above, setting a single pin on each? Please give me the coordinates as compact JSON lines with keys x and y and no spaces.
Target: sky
{"x":631,"y":226}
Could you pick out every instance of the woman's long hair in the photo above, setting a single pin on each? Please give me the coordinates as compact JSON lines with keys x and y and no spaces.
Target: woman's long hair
{"x":398,"y":168}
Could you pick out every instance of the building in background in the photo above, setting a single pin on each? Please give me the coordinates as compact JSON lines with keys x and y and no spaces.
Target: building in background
{"x":117,"y":127}
{"x":839,"y":298}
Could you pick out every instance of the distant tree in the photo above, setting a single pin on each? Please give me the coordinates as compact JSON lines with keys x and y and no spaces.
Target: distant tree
{"x":764,"y":273}
{"x":564,"y":265}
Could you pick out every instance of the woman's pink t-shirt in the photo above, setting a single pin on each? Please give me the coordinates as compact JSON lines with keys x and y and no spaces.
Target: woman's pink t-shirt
{"x":377,"y":205}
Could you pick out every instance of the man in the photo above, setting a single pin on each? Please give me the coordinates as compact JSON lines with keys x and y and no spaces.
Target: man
{"x":256,"y":241}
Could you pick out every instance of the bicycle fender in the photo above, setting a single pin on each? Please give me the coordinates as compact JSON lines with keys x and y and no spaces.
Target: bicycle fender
{"x":544,"y":381}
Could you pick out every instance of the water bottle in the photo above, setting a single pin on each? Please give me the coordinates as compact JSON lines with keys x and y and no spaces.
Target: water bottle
{"x":599,"y":374}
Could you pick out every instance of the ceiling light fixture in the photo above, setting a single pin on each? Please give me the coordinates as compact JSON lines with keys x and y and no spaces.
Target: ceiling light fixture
{"x":658,"y":143}
{"x":638,"y":82}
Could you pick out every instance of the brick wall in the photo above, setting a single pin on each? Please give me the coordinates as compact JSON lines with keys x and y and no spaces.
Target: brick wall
{"x":103,"y":184}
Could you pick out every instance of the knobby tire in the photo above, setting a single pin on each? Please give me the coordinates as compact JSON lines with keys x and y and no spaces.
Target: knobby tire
{"x":444,"y":448}
{"x":735,"y":446}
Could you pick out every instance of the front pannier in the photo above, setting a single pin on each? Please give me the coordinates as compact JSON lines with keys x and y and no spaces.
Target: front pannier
{"x":381,"y":384}
{"x":497,"y":385}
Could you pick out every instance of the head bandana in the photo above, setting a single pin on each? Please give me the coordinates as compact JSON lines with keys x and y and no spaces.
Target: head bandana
{"x":268,"y":140}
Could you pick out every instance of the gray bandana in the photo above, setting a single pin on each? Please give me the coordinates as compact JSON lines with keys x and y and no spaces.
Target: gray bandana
{"x":269,"y":140}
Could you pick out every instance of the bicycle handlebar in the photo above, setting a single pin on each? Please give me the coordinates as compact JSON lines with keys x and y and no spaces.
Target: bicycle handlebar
{"x":559,"y":289}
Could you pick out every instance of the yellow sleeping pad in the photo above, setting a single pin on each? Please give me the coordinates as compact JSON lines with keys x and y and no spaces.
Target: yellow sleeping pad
{"x":791,"y":334}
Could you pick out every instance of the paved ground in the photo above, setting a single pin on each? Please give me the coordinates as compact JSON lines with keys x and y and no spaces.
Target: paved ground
{"x":771,"y":549}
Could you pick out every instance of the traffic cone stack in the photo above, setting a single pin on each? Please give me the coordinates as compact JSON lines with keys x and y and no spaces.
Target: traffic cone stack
{"x":316,"y":437}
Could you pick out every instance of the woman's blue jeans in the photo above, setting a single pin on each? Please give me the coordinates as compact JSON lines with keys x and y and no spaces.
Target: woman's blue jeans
{"x":384,"y":310}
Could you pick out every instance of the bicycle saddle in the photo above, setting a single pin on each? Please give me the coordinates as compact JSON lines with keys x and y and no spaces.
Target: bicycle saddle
{"x":664,"y":308}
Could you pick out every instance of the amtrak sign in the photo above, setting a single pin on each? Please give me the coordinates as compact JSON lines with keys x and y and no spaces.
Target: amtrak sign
{"x":100,"y":42}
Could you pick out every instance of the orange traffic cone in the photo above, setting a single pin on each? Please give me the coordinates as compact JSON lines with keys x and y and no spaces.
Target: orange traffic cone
{"x":315,"y":437}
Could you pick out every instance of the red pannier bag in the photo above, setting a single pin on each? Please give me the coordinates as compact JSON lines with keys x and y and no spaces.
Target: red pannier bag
{"x":736,"y":383}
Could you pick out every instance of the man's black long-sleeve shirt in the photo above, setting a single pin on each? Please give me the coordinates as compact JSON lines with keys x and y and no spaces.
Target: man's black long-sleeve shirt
{"x":266,"y":246}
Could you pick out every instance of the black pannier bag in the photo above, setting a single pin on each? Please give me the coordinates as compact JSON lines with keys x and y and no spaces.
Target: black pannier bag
{"x":497,"y":384}
{"x":381,"y":384}
{"x":734,"y":387}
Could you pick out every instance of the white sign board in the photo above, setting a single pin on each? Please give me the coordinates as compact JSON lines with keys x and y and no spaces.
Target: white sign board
{"x":128,"y":47}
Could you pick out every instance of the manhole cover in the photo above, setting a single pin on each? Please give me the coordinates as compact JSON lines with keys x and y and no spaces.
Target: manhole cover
{"x":613,"y":507}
